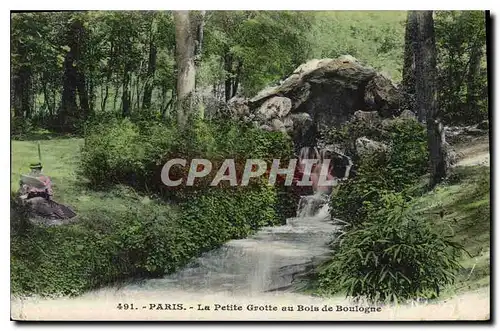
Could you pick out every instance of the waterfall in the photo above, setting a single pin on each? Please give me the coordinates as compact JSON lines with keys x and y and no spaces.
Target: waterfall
{"x":321,"y":170}
{"x":313,"y":206}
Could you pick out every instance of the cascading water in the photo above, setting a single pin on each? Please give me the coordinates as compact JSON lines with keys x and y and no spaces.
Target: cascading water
{"x":269,"y":260}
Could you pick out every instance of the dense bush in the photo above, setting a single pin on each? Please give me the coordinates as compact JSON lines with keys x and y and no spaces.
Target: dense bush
{"x":393,"y":171}
{"x":148,"y":241}
{"x":408,"y":159}
{"x":119,"y":150}
{"x":122,"y":151}
{"x":386,"y":252}
{"x":151,"y":238}
{"x":394,"y":255}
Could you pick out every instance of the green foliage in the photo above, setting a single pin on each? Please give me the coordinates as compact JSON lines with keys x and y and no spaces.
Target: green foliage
{"x":145,"y":239}
{"x":395,"y":170}
{"x":219,"y":215}
{"x":258,"y":47}
{"x":349,"y":200}
{"x":408,"y":159}
{"x":242,"y":52}
{"x":142,"y":236}
{"x":20,"y":126}
{"x":462,"y":68}
{"x":395,"y":255}
{"x":389,"y":249}
{"x":122,"y":150}
{"x":101,"y":248}
{"x":373,"y":37}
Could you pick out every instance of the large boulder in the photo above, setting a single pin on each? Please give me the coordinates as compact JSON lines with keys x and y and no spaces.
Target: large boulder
{"x":238,"y":107}
{"x":329,"y":91}
{"x":365,"y":147}
{"x":368,"y":117}
{"x":407,"y":114}
{"x":381,"y":95}
{"x":275,"y":107}
{"x":278,"y":125}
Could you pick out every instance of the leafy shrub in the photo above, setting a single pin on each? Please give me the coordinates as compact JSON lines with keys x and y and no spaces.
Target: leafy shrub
{"x":154,"y":238}
{"x":134,"y":152}
{"x":349,"y":200}
{"x":19,"y":126}
{"x":233,"y":213}
{"x":145,"y":241}
{"x":408,"y":158}
{"x":387,"y":252}
{"x":123,"y":151}
{"x":392,"y":171}
{"x":395,"y":255}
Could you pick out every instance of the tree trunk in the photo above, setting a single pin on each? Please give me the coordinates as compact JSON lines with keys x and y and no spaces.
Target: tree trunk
{"x":74,"y":77}
{"x":109,"y":73}
{"x":22,"y":92}
{"x":472,"y":76}
{"x":228,"y":69}
{"x":237,"y":78}
{"x":138,"y":92}
{"x":54,"y":92}
{"x":92,"y":96}
{"x":148,"y":85}
{"x":199,"y":36}
{"x":148,"y":88}
{"x":408,"y":81}
{"x":186,"y":72}
{"x":83,"y":95}
{"x":126,"y":91}
{"x":68,"y":97}
{"x":117,"y":90}
{"x":46,"y":97}
{"x":104,"y":96}
{"x":426,"y":94}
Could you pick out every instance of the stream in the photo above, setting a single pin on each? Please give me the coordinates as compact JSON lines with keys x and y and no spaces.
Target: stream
{"x":269,"y":260}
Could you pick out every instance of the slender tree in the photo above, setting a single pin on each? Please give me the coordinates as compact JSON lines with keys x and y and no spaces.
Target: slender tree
{"x":426,"y":93}
{"x":186,"y":72}
{"x":148,"y":88}
{"x":472,"y":85}
{"x":408,"y":81}
{"x":74,"y":76}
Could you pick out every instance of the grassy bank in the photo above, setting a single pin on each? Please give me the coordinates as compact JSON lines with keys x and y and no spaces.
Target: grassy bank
{"x":121,"y":233}
{"x":464,"y":203}
{"x":459,"y":207}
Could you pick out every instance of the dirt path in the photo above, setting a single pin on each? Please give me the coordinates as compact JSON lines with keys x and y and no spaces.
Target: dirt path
{"x":474,"y":152}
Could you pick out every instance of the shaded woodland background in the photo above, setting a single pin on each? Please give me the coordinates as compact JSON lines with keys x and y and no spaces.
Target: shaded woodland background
{"x":68,"y":67}
{"x":135,"y":89}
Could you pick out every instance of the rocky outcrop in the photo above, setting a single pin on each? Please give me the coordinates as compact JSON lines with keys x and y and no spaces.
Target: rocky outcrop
{"x":321,"y":93}
{"x":239,"y":107}
{"x":365,"y":147}
{"x":275,"y":107}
